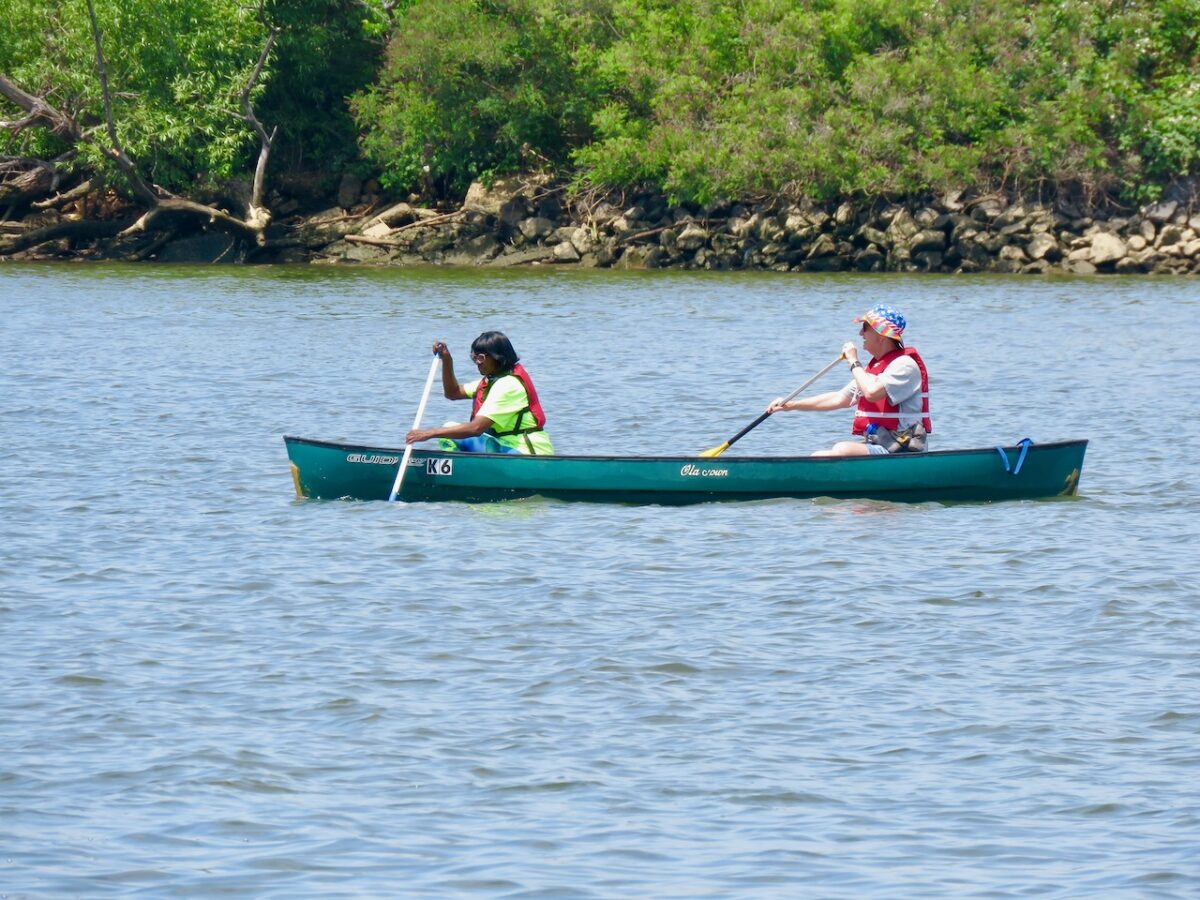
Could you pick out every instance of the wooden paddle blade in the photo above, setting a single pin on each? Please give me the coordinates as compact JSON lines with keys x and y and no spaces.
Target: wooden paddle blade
{"x":715,"y":451}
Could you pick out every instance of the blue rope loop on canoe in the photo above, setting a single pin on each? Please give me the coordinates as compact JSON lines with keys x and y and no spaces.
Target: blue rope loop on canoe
{"x":1015,"y":470}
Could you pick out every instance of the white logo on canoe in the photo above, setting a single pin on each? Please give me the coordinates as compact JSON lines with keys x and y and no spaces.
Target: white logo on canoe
{"x":696,"y":472}
{"x":379,"y":459}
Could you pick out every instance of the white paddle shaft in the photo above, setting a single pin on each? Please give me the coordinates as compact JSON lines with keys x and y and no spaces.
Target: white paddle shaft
{"x":408,"y":448}
{"x":811,"y":380}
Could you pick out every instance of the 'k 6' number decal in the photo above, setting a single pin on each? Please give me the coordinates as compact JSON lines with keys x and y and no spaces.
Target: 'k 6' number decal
{"x":439,"y":467}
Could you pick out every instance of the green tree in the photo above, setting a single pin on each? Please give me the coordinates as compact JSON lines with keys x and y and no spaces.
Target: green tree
{"x":175,"y":71}
{"x":471,"y":88}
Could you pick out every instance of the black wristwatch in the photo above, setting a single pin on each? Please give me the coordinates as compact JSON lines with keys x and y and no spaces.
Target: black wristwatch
{"x":855,"y":365}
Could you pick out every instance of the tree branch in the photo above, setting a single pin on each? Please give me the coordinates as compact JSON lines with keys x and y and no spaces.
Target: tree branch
{"x":114,"y":152}
{"x":39,"y":112}
{"x":257,"y":215}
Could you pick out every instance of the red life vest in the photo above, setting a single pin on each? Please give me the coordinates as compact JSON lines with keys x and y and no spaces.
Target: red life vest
{"x":534,"y":408}
{"x":883,"y":412}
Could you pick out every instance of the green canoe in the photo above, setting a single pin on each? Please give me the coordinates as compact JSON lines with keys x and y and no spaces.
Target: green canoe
{"x":332,"y":471}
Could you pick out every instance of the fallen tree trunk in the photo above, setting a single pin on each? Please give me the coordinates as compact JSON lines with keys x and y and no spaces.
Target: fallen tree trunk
{"x":75,"y":229}
{"x":59,"y":200}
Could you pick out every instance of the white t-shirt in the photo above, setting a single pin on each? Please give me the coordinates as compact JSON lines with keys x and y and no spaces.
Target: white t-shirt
{"x":902,"y":382}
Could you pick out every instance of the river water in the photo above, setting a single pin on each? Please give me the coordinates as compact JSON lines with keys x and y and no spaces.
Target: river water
{"x":210,"y":687}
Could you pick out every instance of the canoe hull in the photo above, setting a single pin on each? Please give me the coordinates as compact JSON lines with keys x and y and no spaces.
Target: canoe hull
{"x":331,"y":471}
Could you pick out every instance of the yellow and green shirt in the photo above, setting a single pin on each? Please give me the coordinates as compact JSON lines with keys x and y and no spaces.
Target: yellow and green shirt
{"x":503,"y":404}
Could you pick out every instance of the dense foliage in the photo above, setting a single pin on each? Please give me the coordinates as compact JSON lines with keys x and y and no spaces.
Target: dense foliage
{"x":724,"y":98}
{"x":176,"y":71}
{"x":474,"y":89}
{"x":706,"y":99}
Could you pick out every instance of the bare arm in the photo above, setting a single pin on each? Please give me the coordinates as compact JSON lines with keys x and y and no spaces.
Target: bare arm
{"x":451,"y":389}
{"x":870,"y":386}
{"x":474,"y":428}
{"x":820,"y":402}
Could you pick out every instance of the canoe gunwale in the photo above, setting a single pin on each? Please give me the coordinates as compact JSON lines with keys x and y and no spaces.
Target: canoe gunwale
{"x":842,"y":460}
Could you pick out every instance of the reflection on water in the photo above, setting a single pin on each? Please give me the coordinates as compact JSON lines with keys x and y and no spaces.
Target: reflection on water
{"x":210,"y":687}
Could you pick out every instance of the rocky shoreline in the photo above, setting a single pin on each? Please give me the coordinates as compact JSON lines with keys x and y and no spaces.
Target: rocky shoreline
{"x":532,"y":221}
{"x":528,"y":222}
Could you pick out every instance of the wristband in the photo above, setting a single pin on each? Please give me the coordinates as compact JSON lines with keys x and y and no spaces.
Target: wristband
{"x":855,"y":365}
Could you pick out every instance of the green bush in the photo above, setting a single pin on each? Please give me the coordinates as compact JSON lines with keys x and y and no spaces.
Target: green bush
{"x":471,"y":89}
{"x":176,"y":71}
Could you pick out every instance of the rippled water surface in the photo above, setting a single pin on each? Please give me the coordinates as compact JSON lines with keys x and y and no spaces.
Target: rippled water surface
{"x":211,"y":688}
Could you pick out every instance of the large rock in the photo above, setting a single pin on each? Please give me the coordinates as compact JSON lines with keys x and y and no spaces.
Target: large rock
{"x":769,"y":230}
{"x":873,"y":236}
{"x":523,"y":257}
{"x":926,"y":241}
{"x":952,"y":202}
{"x":926,"y":216}
{"x":1170,"y":234}
{"x":508,"y":199}
{"x":870,"y":259}
{"x":902,"y":227}
{"x":1043,"y":246}
{"x":640,"y":257}
{"x":824,"y":246}
{"x":1107,"y":248}
{"x":693,"y":237}
{"x":986,"y":210}
{"x":475,"y":252}
{"x":582,"y":240}
{"x":928,"y":260}
{"x":377,"y":230}
{"x":965,"y":229}
{"x":396,"y":215}
{"x":1161,"y":212}
{"x":214,"y":247}
{"x":565,"y":253}
{"x":325,"y":228}
{"x":536,"y":228}
{"x":625,"y":224}
{"x":490,"y":200}
{"x":1011,"y":216}
{"x":364,"y":253}
{"x":349,"y":190}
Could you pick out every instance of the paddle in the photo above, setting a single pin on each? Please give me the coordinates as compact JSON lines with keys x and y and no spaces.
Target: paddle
{"x":408,"y":448}
{"x":717,"y":451}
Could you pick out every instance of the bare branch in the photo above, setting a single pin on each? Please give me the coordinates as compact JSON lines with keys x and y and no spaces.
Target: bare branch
{"x":176,"y":207}
{"x":256,"y":214}
{"x":115,"y":152}
{"x":38,"y":111}
{"x":76,"y":193}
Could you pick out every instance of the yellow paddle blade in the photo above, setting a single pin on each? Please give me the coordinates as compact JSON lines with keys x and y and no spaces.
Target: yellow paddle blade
{"x":715,"y":451}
